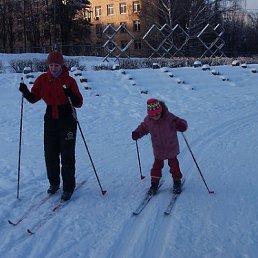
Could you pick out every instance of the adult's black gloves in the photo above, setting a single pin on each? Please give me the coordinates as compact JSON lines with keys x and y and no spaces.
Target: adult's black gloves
{"x":69,"y":94}
{"x":26,"y":93}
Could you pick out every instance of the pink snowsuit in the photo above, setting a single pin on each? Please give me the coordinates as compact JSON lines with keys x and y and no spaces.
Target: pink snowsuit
{"x":164,"y":142}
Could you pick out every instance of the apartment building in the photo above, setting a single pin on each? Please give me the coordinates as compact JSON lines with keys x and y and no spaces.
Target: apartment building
{"x":117,"y":12}
{"x":38,"y":25}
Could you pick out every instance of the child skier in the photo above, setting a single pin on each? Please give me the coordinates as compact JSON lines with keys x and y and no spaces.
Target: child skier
{"x":163,"y":127}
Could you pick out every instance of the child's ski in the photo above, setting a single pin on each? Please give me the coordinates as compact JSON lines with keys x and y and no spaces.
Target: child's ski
{"x":145,"y":201}
{"x":173,"y":201}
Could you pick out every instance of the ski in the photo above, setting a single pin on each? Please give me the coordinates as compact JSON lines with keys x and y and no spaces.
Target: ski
{"x":145,"y":201}
{"x":58,"y":206}
{"x":173,"y":201}
{"x":33,"y":207}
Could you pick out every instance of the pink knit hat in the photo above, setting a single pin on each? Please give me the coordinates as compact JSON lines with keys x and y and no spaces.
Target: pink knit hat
{"x":55,"y":58}
{"x":153,"y":107}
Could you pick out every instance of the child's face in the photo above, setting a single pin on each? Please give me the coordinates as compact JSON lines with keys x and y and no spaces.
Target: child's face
{"x":156,"y":116}
{"x":54,"y":68}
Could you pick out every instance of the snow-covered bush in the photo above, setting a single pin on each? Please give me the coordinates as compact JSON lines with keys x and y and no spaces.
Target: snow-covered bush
{"x":180,"y":81}
{"x":83,"y":79}
{"x":116,"y":67}
{"x":206,"y":67}
{"x":71,"y":62}
{"x":77,"y":73}
{"x":214,"y":72}
{"x":39,"y":65}
{"x":29,"y":75}
{"x":27,"y":69}
{"x":102,"y":67}
{"x":82,"y":67}
{"x":74,"y":68}
{"x":19,"y":65}
{"x":156,"y":66}
{"x":197,"y":64}
{"x":223,"y":78}
{"x":236,"y":63}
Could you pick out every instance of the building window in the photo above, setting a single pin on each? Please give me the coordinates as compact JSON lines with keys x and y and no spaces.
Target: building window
{"x":136,"y":7}
{"x":97,"y":11}
{"x":136,"y":25}
{"x":137,"y":44}
{"x":110,"y":9}
{"x":122,"y":8}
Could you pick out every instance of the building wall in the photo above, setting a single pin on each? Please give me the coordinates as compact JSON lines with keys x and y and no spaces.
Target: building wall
{"x":116,"y":12}
{"x":34,"y":28}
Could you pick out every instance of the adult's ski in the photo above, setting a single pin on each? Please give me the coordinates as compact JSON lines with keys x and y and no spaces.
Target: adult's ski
{"x":58,"y":206}
{"x":145,"y":201}
{"x":33,"y":207}
{"x":173,"y":201}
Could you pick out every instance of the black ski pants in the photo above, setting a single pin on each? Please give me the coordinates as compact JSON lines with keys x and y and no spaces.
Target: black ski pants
{"x":59,"y":147}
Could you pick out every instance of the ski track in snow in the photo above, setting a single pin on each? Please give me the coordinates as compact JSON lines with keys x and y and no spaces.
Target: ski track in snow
{"x":223,"y":126}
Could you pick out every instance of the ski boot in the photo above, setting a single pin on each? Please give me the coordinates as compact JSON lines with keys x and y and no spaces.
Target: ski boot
{"x":153,"y":189}
{"x":66,"y":196}
{"x":177,"y":187}
{"x":53,"y":189}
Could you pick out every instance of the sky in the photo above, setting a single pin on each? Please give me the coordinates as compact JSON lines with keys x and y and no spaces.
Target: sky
{"x":252,"y":4}
{"x":222,"y":116}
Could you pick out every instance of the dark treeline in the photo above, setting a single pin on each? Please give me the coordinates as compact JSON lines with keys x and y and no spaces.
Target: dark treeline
{"x":41,"y":24}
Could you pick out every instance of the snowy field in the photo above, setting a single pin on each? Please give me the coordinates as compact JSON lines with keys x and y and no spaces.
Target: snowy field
{"x":222,"y":133}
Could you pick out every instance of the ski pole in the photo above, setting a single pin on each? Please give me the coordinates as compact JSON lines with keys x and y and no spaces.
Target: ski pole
{"x":20,"y":140}
{"x":209,"y":191}
{"x":139,"y":161}
{"x":84,"y":141}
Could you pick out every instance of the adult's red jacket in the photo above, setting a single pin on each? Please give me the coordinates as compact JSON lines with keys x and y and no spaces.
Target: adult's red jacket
{"x":50,"y":89}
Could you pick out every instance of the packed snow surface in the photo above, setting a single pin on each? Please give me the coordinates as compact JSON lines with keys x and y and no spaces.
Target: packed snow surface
{"x":223,"y":135}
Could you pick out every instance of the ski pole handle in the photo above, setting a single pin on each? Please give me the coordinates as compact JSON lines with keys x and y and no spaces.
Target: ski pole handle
{"x":71,"y":104}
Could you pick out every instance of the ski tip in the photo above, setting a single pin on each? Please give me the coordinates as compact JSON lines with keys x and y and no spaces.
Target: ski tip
{"x":30,"y":232}
{"x":142,"y":177}
{"x":11,"y":223}
{"x":104,"y":192}
{"x":135,"y":213}
{"x":166,"y":213}
{"x":211,"y":192}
